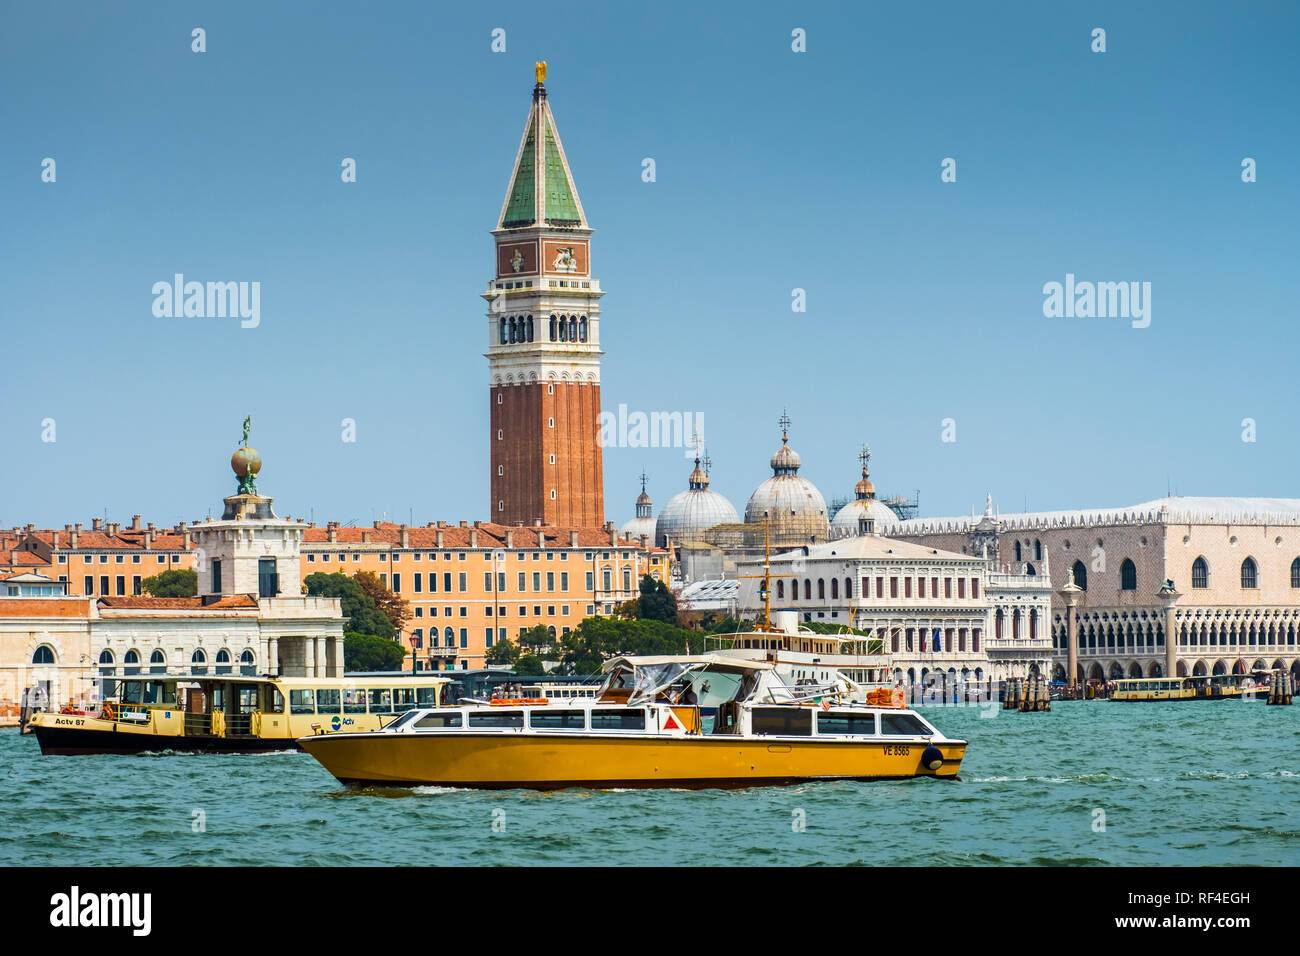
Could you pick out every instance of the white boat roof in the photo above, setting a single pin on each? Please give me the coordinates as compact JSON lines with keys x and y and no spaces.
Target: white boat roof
{"x":688,"y":659}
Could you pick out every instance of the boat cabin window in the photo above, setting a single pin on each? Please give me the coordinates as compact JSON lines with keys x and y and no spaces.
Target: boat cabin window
{"x":327,"y":700}
{"x":548,"y":719}
{"x":354,"y":701}
{"x":618,"y":719}
{"x":855,"y":725}
{"x":302,"y":702}
{"x":381,"y":701}
{"x":403,"y":698}
{"x":426,"y":696}
{"x":902,"y":724}
{"x":781,"y":721}
{"x":498,"y":718}
{"x":436,"y":721}
{"x":274,"y":701}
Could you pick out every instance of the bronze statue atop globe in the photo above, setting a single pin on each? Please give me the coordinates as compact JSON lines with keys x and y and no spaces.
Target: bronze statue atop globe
{"x":246,"y":463}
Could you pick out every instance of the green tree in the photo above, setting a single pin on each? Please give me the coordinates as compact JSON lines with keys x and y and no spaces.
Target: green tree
{"x":368,"y":652}
{"x":385,"y":601}
{"x":535,"y":638}
{"x":174,"y":583}
{"x":529,"y":665}
{"x":502,"y":652}
{"x":657,"y":602}
{"x":358,"y":608}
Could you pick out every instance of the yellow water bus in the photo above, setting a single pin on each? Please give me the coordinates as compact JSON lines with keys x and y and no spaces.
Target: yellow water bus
{"x":645,"y":729}
{"x":231,"y":713}
{"x":1217,"y":687}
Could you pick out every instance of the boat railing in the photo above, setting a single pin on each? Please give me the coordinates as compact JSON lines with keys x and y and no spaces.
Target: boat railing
{"x":239,"y":725}
{"x":198,"y":725}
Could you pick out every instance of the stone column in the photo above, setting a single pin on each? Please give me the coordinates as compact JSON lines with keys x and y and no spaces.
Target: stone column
{"x":1169,"y":597}
{"x":1070,"y":594}
{"x":273,"y":657}
{"x":338,"y":657}
{"x":309,"y":656}
{"x":322,"y":657}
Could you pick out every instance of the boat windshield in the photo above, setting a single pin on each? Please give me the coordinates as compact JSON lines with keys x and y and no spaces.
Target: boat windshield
{"x":406,"y":718}
{"x":652,"y":678}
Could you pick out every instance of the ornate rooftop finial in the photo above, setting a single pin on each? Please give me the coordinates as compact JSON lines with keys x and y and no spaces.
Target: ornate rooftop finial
{"x":707,"y":461}
{"x":540,"y":69}
{"x":988,"y":505}
{"x":248,"y":424}
{"x":784,"y":422}
{"x":864,"y":456}
{"x":643,"y":480}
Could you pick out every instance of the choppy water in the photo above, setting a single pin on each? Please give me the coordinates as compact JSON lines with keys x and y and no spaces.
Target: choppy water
{"x":1192,"y":783}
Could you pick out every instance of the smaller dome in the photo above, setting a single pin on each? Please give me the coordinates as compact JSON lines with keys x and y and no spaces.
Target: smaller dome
{"x":643,"y":498}
{"x":636,"y":527}
{"x":864,"y":488}
{"x":850,"y":519}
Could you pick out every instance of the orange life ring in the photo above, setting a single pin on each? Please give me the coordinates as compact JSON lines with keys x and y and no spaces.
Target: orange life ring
{"x":108,"y":713}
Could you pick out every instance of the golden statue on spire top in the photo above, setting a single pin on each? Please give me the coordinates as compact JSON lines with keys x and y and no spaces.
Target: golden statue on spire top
{"x":541,"y":71}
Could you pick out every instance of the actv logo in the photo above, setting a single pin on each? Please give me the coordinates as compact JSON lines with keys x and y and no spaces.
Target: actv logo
{"x":75,"y":909}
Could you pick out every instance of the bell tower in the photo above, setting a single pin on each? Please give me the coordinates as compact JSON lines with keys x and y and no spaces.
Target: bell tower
{"x":544,"y":341}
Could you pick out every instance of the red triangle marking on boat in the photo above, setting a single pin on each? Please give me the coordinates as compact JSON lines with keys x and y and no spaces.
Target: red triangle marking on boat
{"x":671,"y":724}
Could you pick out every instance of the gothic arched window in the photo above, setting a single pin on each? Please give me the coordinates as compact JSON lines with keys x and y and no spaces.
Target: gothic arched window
{"x":582,"y":329}
{"x":821,"y":589}
{"x":807,"y":589}
{"x":1080,"y":575}
{"x":1038,"y":550}
{"x":835,"y":589}
{"x":1128,"y":576}
{"x":1019,"y":557}
{"x":1200,"y":573}
{"x":564,"y":329}
{"x":552,"y":328}
{"x":997,"y":624}
{"x":1249,"y":574}
{"x":780,"y":590}
{"x":1295,"y":573}
{"x":505,"y":332}
{"x":529,"y":323}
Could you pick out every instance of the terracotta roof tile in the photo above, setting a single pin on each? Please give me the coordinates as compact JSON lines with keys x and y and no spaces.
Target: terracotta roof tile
{"x":177,"y":603}
{"x":44,"y":607}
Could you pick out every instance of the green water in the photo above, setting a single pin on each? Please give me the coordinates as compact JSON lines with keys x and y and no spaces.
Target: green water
{"x":1179,"y":784}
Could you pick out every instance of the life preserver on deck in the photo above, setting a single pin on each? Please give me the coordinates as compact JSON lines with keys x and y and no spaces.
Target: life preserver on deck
{"x":255,"y":724}
{"x":108,"y":713}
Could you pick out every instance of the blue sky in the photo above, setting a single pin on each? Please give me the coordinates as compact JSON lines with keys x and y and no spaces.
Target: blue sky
{"x":775,"y":170}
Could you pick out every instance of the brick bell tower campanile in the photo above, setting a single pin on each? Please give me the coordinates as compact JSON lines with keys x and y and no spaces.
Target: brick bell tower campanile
{"x":544,"y":341}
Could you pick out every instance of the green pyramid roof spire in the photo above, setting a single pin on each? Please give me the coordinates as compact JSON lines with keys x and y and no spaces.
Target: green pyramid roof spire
{"x":541,"y":190}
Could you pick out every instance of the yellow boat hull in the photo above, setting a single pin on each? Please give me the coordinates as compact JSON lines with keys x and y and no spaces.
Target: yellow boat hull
{"x":508,"y":761}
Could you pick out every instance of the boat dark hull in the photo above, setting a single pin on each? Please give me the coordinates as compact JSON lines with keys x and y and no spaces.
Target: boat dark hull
{"x":72,"y":741}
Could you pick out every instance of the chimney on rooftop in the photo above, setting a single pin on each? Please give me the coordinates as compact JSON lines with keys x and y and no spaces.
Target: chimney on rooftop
{"x":377,"y":524}
{"x":442,"y":524}
{"x":613,"y":535}
{"x":437,"y":537}
{"x":148,"y":539}
{"x":55,"y":540}
{"x":96,"y":524}
{"x":573,"y":539}
{"x":541,"y":538}
{"x":510,"y":539}
{"x":365,"y":536}
{"x":406,"y":537}
{"x":135,"y":522}
{"x":473,"y":537}
{"x":644,"y":543}
{"x":462,"y":524}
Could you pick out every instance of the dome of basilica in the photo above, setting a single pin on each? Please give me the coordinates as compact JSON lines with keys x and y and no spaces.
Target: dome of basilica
{"x":644,"y":522}
{"x":791,"y":506}
{"x":692,"y":511}
{"x":865,"y":514}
